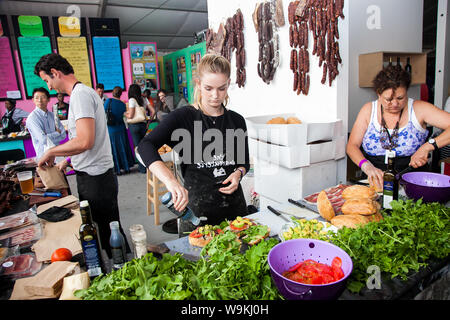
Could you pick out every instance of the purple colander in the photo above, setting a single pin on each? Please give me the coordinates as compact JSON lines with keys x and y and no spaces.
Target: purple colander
{"x":431,"y":187}
{"x":288,"y":253}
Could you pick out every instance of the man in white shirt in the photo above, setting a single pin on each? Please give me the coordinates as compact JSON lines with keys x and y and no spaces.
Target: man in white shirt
{"x":100,"y":89}
{"x":45,"y":129}
{"x":89,"y":145}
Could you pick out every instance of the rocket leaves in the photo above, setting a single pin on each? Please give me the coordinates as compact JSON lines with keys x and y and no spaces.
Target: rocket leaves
{"x":401,"y":243}
{"x":224,"y":274}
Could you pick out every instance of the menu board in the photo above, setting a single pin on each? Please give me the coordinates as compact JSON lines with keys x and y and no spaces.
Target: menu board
{"x":108,"y":62}
{"x":31,"y":49}
{"x":9,"y":87}
{"x":144,"y":64}
{"x":76,"y":52}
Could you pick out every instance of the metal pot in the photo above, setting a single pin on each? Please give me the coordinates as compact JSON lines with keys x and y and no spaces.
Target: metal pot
{"x":431,"y":187}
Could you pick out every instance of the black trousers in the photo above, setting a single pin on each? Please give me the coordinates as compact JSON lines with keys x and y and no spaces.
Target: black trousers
{"x":101,"y":192}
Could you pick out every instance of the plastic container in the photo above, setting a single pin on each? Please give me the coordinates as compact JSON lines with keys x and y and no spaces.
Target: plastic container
{"x":17,"y":220}
{"x":286,"y":254}
{"x":117,"y":243}
{"x":19,"y":266}
{"x":139,"y":239}
{"x":431,"y":187}
{"x":24,"y":237}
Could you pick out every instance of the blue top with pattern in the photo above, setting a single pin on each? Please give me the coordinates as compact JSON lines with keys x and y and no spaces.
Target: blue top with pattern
{"x":410,"y":137}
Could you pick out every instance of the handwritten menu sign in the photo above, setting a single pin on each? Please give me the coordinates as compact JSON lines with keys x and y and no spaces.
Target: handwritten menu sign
{"x":8,"y":80}
{"x":31,"y":49}
{"x":108,"y":62}
{"x":75,"y":51}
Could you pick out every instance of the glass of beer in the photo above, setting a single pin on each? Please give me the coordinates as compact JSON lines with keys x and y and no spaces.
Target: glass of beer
{"x":26,"y":181}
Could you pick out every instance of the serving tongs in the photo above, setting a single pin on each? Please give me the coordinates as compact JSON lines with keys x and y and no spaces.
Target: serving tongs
{"x":407,"y":169}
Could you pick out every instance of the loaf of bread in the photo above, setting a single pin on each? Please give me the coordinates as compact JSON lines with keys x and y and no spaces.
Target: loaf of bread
{"x":349,"y":221}
{"x":324,"y":206}
{"x":359,"y":191}
{"x":363,"y":206}
{"x":277,"y":120}
{"x":293,"y":120}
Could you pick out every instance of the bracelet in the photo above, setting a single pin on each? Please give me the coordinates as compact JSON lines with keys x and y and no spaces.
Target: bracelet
{"x":362,"y":162}
{"x":241,"y":171}
{"x":68,"y":160}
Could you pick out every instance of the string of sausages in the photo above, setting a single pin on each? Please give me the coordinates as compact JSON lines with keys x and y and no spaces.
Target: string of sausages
{"x":321,"y":18}
{"x":266,"y":17}
{"x":227,"y":39}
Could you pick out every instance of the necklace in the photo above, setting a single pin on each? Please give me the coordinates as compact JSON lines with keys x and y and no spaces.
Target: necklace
{"x":213,"y":119}
{"x":387,"y":140}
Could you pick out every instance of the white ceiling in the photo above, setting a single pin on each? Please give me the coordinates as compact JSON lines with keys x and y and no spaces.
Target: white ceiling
{"x":169,"y":23}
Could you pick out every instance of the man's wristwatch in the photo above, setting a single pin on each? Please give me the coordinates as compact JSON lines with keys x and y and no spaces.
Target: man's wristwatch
{"x":433,"y":142}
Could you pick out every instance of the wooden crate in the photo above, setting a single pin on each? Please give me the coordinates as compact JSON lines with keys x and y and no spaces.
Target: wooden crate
{"x":372,"y":63}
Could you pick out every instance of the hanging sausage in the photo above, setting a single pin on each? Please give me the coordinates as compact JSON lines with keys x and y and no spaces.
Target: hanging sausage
{"x":320,"y":17}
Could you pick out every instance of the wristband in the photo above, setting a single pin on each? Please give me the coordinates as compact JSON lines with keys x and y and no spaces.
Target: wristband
{"x":68,"y":160}
{"x":241,"y":171}
{"x":362,"y":162}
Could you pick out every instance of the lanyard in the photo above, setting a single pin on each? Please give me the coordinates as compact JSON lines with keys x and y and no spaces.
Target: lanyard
{"x":394,"y":133}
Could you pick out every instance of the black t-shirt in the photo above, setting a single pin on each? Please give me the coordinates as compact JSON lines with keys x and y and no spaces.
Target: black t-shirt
{"x":210,"y":149}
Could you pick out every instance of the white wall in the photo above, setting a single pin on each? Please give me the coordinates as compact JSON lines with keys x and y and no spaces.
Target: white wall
{"x":442,"y":78}
{"x":400,"y":30}
{"x":258,"y":98}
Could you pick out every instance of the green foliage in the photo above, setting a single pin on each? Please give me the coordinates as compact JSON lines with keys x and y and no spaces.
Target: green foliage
{"x":224,"y":274}
{"x":401,"y":243}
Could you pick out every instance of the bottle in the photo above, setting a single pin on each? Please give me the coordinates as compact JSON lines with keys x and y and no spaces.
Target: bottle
{"x":390,"y":183}
{"x":139,"y":239}
{"x":90,"y":242}
{"x":390,"y":62}
{"x":399,"y":65}
{"x":186,"y":214}
{"x":117,"y":244}
{"x":408,"y":65}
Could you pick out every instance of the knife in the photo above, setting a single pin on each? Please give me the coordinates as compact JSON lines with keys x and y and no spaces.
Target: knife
{"x":298,"y":204}
{"x":46,"y":194}
{"x":399,"y":175}
{"x":277,"y":213}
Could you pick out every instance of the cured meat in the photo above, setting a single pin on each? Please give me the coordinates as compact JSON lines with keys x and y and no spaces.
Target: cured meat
{"x":20,"y":266}
{"x":23,"y":236}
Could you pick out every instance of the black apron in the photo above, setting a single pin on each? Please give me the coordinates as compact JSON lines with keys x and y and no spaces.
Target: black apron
{"x":400,"y":162}
{"x":203,"y":183}
{"x":11,"y":125}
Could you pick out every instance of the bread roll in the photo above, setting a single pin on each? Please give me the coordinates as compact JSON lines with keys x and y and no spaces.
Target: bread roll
{"x":359,"y":191}
{"x":324,"y":206}
{"x":375,"y":217}
{"x":349,"y":221}
{"x":293,"y":120}
{"x":361,"y":206}
{"x":375,"y":186}
{"x":277,"y":120}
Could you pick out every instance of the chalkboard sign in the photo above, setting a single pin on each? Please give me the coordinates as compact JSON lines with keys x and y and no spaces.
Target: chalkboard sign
{"x":108,"y":62}
{"x":9,"y":85}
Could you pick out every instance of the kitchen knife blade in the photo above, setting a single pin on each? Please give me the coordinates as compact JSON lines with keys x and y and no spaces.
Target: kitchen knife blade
{"x":298,"y":204}
{"x":277,"y":213}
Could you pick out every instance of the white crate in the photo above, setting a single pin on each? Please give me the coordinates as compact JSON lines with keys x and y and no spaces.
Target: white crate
{"x":300,"y":155}
{"x":279,"y":183}
{"x":265,"y":201}
{"x":310,"y":130}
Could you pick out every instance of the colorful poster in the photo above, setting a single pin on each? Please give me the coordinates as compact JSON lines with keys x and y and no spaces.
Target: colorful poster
{"x":8,"y":79}
{"x":108,"y":62}
{"x":30,"y":26}
{"x":76,"y":52}
{"x":69,"y":26}
{"x":182,"y":79}
{"x":31,"y":49}
{"x":144,"y":64}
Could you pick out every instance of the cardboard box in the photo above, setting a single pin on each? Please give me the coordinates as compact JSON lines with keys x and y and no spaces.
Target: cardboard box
{"x":279,"y":183}
{"x":372,"y":63}
{"x":310,"y":130}
{"x":300,"y":155}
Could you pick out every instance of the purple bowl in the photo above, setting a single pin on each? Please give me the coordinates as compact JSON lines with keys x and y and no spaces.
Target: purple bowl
{"x":288,"y":253}
{"x":431,"y":187}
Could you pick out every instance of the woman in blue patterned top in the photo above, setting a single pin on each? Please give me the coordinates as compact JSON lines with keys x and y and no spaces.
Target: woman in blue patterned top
{"x":395,"y":122}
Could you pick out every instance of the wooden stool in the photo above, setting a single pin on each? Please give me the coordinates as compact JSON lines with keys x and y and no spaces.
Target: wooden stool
{"x":155,"y":189}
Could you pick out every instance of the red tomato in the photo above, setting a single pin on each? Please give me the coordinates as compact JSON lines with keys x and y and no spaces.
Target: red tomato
{"x":61,"y":254}
{"x":312,"y":272}
{"x":195,"y":234}
{"x":337,"y":262}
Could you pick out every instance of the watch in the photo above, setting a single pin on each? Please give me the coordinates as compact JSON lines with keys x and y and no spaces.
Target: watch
{"x":433,"y":142}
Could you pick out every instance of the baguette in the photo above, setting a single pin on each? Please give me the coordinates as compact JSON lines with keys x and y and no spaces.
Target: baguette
{"x":363,"y":206}
{"x":359,"y":191}
{"x":349,"y":221}
{"x":324,"y":206}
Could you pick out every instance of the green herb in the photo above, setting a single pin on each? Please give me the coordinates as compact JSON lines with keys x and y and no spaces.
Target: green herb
{"x":223,"y":274}
{"x":399,"y":244}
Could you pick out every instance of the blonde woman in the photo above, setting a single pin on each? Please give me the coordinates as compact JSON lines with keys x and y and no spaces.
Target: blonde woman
{"x":213,"y":147}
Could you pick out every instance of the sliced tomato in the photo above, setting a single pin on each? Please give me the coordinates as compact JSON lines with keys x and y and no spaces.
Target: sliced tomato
{"x":195,"y":234}
{"x":237,"y":229}
{"x":295,"y":267}
{"x":337,"y":262}
{"x":219,"y":231}
{"x":338,"y":273}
